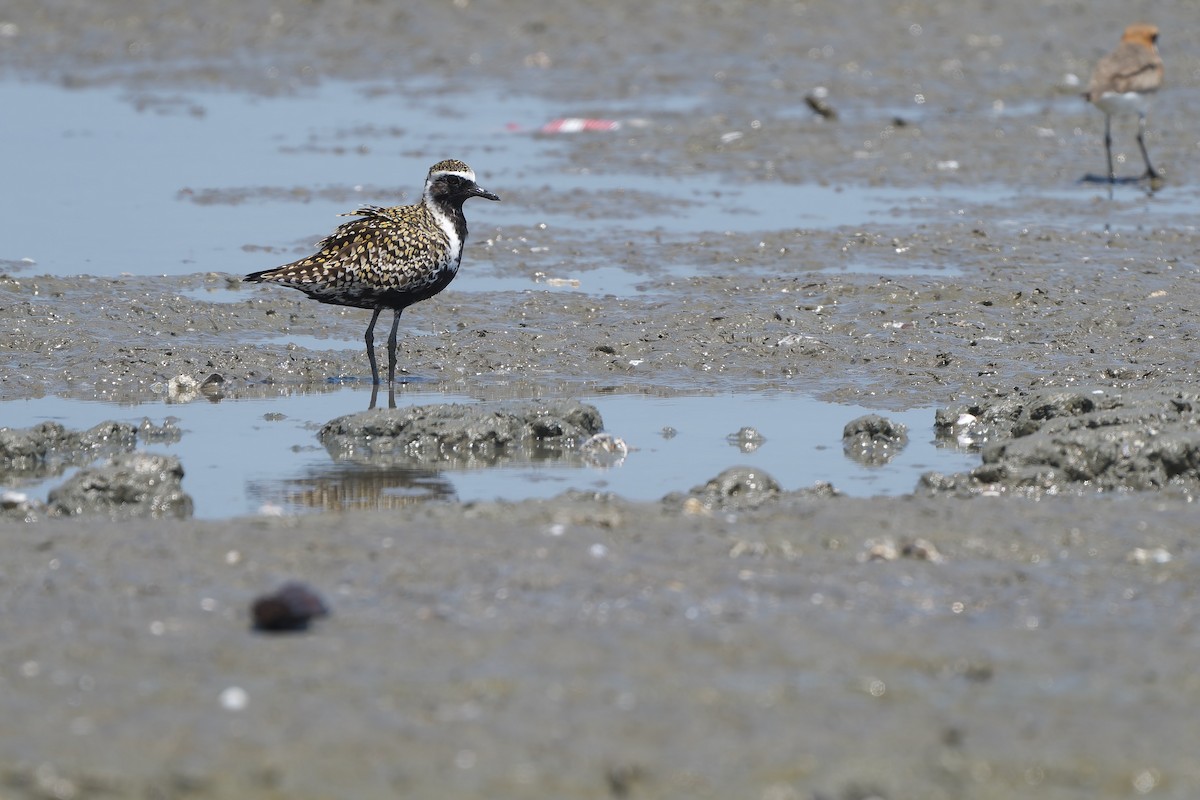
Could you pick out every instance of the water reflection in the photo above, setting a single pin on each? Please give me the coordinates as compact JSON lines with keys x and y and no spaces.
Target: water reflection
{"x":391,"y":395}
{"x":1149,"y":185}
{"x":352,"y":487}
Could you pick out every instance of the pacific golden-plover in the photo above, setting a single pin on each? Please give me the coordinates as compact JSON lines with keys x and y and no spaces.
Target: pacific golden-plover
{"x":389,"y":257}
{"x":1123,"y":83}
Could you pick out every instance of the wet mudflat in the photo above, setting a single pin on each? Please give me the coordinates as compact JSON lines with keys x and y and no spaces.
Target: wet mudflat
{"x":1022,"y":626}
{"x":561,"y":647}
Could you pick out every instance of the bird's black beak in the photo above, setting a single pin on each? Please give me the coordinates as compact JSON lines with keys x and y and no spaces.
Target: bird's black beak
{"x":479,"y":191}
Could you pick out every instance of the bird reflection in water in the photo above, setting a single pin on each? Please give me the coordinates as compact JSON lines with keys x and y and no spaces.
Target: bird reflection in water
{"x":344,"y":487}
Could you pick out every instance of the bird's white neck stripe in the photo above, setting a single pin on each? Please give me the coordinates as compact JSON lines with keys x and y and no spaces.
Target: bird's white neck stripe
{"x":444,"y":220}
{"x":446,"y":223}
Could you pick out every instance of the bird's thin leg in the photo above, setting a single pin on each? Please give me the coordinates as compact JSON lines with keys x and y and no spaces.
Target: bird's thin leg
{"x":370,"y":337}
{"x":1112,"y":176}
{"x":1150,"y":173}
{"x":392,"y":348}
{"x":374,"y":396}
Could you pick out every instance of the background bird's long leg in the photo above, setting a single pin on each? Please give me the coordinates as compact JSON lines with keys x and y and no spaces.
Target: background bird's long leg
{"x":1112,"y":176}
{"x":392,"y":348}
{"x":370,"y":338}
{"x":1150,"y":173}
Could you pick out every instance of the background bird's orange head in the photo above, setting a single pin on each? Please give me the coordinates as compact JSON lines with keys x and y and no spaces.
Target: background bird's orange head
{"x":1142,"y":33}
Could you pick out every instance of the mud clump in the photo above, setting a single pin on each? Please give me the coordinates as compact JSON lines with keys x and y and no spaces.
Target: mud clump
{"x":1017,"y":415}
{"x":129,"y":485}
{"x":736,"y":489}
{"x":49,"y":448}
{"x":1056,"y":442}
{"x":746,"y":439}
{"x":475,"y":435}
{"x":872,"y":440}
{"x":740,"y":489}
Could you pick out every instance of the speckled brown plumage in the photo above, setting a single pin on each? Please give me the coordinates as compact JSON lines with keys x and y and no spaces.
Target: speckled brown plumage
{"x":389,"y":257}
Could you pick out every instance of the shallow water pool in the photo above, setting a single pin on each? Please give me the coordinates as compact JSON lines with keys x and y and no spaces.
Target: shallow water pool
{"x":263,"y":455}
{"x":166,"y":184}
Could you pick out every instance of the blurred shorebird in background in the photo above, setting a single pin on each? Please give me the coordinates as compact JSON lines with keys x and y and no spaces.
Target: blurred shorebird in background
{"x":1124,"y":82}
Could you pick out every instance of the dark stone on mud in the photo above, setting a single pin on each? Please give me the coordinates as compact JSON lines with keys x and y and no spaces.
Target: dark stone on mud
{"x":49,"y":448}
{"x":129,"y":485}
{"x":872,"y":440}
{"x":451,"y":433}
{"x":1060,"y":441}
{"x":289,"y":609}
{"x":213,"y":387}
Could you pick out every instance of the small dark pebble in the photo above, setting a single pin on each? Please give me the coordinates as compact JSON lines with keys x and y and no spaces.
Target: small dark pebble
{"x":621,"y":778}
{"x":291,"y":608}
{"x":817,"y":102}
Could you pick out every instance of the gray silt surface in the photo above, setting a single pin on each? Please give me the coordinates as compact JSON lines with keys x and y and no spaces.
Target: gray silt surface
{"x":594,"y":647}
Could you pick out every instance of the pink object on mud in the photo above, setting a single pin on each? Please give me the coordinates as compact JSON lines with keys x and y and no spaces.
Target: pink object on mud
{"x":577,"y":124}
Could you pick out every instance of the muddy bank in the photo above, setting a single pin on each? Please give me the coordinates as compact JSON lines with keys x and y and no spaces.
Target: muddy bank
{"x":1055,"y":442}
{"x":584,"y":643}
{"x":1010,"y":314}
